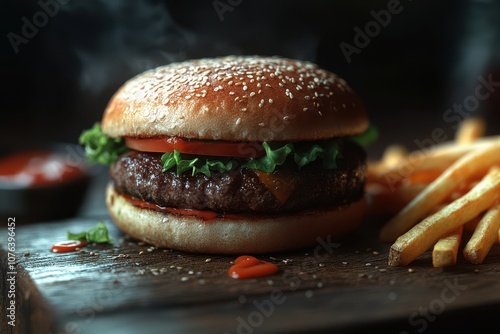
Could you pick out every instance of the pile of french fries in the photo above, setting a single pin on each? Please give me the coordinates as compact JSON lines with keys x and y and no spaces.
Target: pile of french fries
{"x":437,"y":196}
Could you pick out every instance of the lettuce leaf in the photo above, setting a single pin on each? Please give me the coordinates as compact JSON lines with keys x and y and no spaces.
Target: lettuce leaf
{"x":273,"y":158}
{"x":366,"y":138}
{"x":100,"y":148}
{"x":98,"y":234}
{"x":185,"y":162}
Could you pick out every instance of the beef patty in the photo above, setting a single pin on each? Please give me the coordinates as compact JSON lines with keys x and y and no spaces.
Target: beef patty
{"x":244,"y":190}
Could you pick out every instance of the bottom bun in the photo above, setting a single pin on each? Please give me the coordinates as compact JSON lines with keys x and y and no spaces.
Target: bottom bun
{"x":233,"y":234}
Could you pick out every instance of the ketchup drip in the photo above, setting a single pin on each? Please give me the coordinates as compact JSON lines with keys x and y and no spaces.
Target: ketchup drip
{"x":67,"y":246}
{"x":247,"y":266}
{"x":205,"y":215}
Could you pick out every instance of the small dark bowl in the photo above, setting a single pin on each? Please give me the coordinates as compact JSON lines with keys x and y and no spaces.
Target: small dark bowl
{"x":60,"y":200}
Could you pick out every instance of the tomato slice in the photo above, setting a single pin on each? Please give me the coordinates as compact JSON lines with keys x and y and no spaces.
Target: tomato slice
{"x":67,"y":246}
{"x":198,"y":147}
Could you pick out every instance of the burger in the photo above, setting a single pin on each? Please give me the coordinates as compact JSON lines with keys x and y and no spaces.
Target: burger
{"x":236,"y":154}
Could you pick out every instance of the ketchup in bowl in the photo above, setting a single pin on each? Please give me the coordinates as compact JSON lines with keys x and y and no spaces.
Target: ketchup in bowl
{"x":37,"y":168}
{"x":43,"y":184}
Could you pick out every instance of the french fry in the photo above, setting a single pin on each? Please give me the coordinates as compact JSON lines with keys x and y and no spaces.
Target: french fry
{"x":425,"y":177}
{"x":470,"y":130}
{"x":422,"y":236}
{"x":484,"y":236}
{"x":467,"y":166}
{"x":382,"y":201}
{"x":438,"y":158}
{"x":393,"y":155}
{"x":445,"y":251}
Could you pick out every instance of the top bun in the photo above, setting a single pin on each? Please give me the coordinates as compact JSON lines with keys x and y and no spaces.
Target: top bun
{"x":236,"y":98}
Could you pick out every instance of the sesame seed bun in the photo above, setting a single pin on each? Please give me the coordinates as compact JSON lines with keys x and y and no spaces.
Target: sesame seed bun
{"x":236,"y":98}
{"x":248,"y":234}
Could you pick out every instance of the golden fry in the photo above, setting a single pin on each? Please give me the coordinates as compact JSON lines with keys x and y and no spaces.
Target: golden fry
{"x":484,"y":236}
{"x":445,"y":251}
{"x":437,"y":158}
{"x":383,"y":201}
{"x":425,"y":234}
{"x":393,"y":155}
{"x":467,"y":166}
{"x":470,"y":130}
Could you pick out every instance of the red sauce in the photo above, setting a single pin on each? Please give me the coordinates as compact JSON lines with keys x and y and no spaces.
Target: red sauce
{"x":67,"y":246}
{"x":247,"y":266}
{"x":37,"y":168}
{"x":205,"y":215}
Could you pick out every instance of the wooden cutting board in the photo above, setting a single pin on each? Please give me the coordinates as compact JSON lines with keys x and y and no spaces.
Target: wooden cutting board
{"x":335,"y":286}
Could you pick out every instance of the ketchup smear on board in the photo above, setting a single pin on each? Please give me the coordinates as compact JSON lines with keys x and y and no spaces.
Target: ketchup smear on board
{"x":246,"y":266}
{"x":37,"y":168}
{"x":67,"y":246}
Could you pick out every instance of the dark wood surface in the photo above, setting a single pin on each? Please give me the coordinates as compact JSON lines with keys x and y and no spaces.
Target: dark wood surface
{"x":347,"y":287}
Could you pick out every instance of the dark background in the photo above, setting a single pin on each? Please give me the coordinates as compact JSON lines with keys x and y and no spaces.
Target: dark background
{"x":426,"y":59}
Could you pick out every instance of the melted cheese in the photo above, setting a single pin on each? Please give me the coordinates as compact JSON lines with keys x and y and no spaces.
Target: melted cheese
{"x":280,"y":185}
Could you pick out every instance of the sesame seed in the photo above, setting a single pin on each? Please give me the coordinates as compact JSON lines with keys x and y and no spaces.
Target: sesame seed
{"x":243,"y":109}
{"x":252,"y":93}
{"x":262,"y":124}
{"x":245,"y":87}
{"x":209,"y":259}
{"x":305,"y":109}
{"x":270,"y":100}
{"x":231,"y":93}
{"x":238,"y":121}
{"x":307,"y":97}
